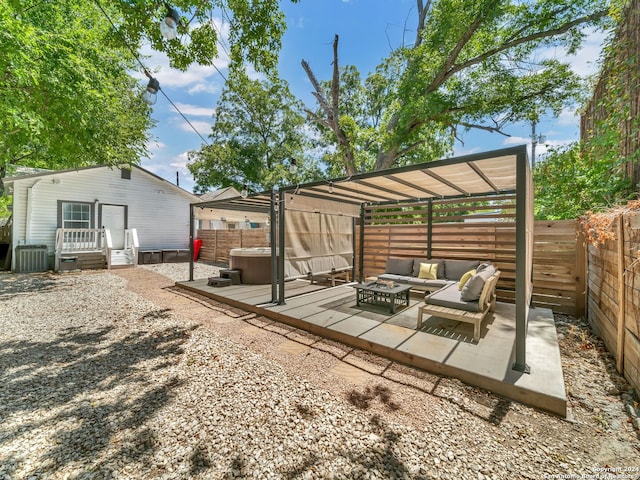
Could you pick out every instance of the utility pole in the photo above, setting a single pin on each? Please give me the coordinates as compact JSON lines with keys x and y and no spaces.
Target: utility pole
{"x":535,"y":139}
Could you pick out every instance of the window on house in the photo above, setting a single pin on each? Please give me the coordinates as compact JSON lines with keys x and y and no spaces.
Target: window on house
{"x":76,"y":215}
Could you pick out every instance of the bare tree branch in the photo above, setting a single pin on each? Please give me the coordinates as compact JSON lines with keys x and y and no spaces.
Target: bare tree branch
{"x":332,"y":110}
{"x":335,"y":81}
{"x":442,"y":75}
{"x":486,"y":128}
{"x":422,"y":16}
{"x":514,"y":43}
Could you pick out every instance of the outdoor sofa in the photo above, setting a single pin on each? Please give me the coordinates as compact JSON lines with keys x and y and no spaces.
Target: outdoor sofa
{"x":407,"y":271}
{"x":462,"y":290}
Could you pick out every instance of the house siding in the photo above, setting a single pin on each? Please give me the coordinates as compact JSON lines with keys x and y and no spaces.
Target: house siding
{"x":158,"y":210}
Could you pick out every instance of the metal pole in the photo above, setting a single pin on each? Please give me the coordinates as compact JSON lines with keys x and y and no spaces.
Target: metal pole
{"x":534,"y":142}
{"x":274,"y":252}
{"x":429,"y":228}
{"x":522,"y":258}
{"x":191,"y":227}
{"x":353,"y":249}
{"x":361,"y":261}
{"x":281,"y":245}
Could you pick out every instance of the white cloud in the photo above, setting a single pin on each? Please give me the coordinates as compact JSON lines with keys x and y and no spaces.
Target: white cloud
{"x":195,"y":110}
{"x":515,"y":140}
{"x":196,"y":78}
{"x":202,"y":127}
{"x":459,"y":151}
{"x":180,"y":162}
{"x":585,"y":60}
{"x":568,"y":118}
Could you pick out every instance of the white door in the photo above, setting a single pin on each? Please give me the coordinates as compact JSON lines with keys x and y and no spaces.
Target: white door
{"x":113,"y":218}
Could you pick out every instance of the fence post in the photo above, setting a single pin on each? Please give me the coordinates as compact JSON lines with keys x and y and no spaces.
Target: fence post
{"x":621,"y":296}
{"x":581,"y":273}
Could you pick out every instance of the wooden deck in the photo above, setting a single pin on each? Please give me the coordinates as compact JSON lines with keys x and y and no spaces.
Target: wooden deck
{"x":441,"y":346}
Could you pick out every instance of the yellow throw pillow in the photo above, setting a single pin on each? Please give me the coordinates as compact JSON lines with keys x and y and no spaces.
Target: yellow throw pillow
{"x":428,"y":271}
{"x":465,"y":278}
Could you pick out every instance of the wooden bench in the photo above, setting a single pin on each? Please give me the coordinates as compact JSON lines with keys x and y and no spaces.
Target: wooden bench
{"x":486,"y":304}
{"x":344,"y":275}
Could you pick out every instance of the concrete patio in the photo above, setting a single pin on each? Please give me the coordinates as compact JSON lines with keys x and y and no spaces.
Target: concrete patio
{"x":440,"y":346}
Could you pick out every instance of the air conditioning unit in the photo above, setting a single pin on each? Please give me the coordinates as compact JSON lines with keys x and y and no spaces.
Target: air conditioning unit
{"x":32,"y":258}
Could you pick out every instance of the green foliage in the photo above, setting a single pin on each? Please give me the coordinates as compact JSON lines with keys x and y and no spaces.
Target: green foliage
{"x":255,"y":29}
{"x":66,"y":94}
{"x":66,"y":99}
{"x":474,"y":64}
{"x":569,"y":183}
{"x":257,"y":130}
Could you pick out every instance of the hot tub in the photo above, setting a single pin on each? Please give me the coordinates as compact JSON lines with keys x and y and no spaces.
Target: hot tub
{"x":255,"y":264}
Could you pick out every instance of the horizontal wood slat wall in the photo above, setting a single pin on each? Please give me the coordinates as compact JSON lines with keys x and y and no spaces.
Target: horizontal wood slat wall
{"x":216,"y":244}
{"x":613,"y":267}
{"x":559,"y":263}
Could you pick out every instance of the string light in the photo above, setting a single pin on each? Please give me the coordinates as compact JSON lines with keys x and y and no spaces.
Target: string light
{"x":150,"y":95}
{"x":169,"y":26}
{"x":245,"y":192}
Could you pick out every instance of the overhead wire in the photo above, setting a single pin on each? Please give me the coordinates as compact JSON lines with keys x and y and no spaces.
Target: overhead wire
{"x":146,"y":71}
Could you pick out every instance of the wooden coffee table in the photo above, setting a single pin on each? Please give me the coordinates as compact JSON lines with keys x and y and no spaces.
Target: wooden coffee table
{"x":372,"y":293}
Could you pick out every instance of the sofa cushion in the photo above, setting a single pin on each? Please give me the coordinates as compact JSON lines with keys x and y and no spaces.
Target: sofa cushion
{"x":428,"y":271}
{"x":454,"y":269}
{"x":429,"y":284}
{"x":465,"y":278}
{"x":473,"y":288}
{"x":449,"y":296}
{"x":418,"y":261}
{"x":399,"y":266}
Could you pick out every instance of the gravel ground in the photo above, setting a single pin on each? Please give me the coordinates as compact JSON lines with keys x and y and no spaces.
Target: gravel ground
{"x":118,"y":375}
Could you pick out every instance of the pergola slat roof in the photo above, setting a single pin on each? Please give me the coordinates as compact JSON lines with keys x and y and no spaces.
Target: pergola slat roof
{"x":465,"y":176}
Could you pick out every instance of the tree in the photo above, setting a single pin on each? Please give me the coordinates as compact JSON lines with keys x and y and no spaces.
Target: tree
{"x":255,"y":30}
{"x":257,"y":131}
{"x":568,"y":183}
{"x":67,"y":97}
{"x":66,"y":100}
{"x":472,"y":65}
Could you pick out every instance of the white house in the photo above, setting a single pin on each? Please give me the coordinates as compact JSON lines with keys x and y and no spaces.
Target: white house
{"x":74,"y":213}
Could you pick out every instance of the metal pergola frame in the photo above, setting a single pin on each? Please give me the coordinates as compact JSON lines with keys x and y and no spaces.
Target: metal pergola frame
{"x":505,"y":171}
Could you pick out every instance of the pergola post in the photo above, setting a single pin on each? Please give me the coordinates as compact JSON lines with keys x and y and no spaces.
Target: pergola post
{"x":361,"y":259}
{"x":273,"y":239}
{"x":429,"y":227}
{"x":191,"y":227}
{"x":523,"y":252}
{"x":353,"y":248}
{"x":281,"y":248}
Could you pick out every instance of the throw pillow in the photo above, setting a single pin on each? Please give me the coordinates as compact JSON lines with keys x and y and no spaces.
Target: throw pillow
{"x":428,"y":271}
{"x":473,"y":288}
{"x":399,"y":266}
{"x":465,"y":278}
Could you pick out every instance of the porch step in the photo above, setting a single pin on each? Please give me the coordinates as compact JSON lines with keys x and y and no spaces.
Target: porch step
{"x":122,"y":258}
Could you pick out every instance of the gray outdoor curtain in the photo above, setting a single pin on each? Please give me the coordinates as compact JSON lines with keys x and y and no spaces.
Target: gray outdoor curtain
{"x":317,"y":243}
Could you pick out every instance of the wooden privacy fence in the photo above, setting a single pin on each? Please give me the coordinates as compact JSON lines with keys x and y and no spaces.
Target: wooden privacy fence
{"x":614,"y":295}
{"x":559,"y":263}
{"x":216,"y":244}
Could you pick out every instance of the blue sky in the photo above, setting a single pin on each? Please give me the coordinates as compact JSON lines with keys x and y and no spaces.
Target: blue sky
{"x":368,"y":30}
